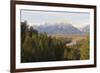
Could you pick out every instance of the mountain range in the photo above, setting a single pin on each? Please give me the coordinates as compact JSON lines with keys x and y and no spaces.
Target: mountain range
{"x":62,"y":28}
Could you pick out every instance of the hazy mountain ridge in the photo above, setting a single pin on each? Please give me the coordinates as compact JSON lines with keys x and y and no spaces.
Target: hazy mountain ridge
{"x":86,"y":29}
{"x":62,"y":28}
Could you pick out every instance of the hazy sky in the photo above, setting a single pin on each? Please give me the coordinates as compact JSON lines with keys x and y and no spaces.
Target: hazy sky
{"x":41,"y":17}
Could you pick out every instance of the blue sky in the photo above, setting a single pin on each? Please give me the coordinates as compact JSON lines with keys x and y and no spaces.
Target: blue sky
{"x":41,"y":17}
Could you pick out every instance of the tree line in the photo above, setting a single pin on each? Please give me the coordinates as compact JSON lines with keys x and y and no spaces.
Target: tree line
{"x":37,"y":46}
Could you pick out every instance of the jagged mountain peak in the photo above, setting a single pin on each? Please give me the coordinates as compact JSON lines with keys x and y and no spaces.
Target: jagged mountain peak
{"x":60,"y":28}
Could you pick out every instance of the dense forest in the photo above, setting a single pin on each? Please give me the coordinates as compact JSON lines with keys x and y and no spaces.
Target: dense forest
{"x":39,"y":47}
